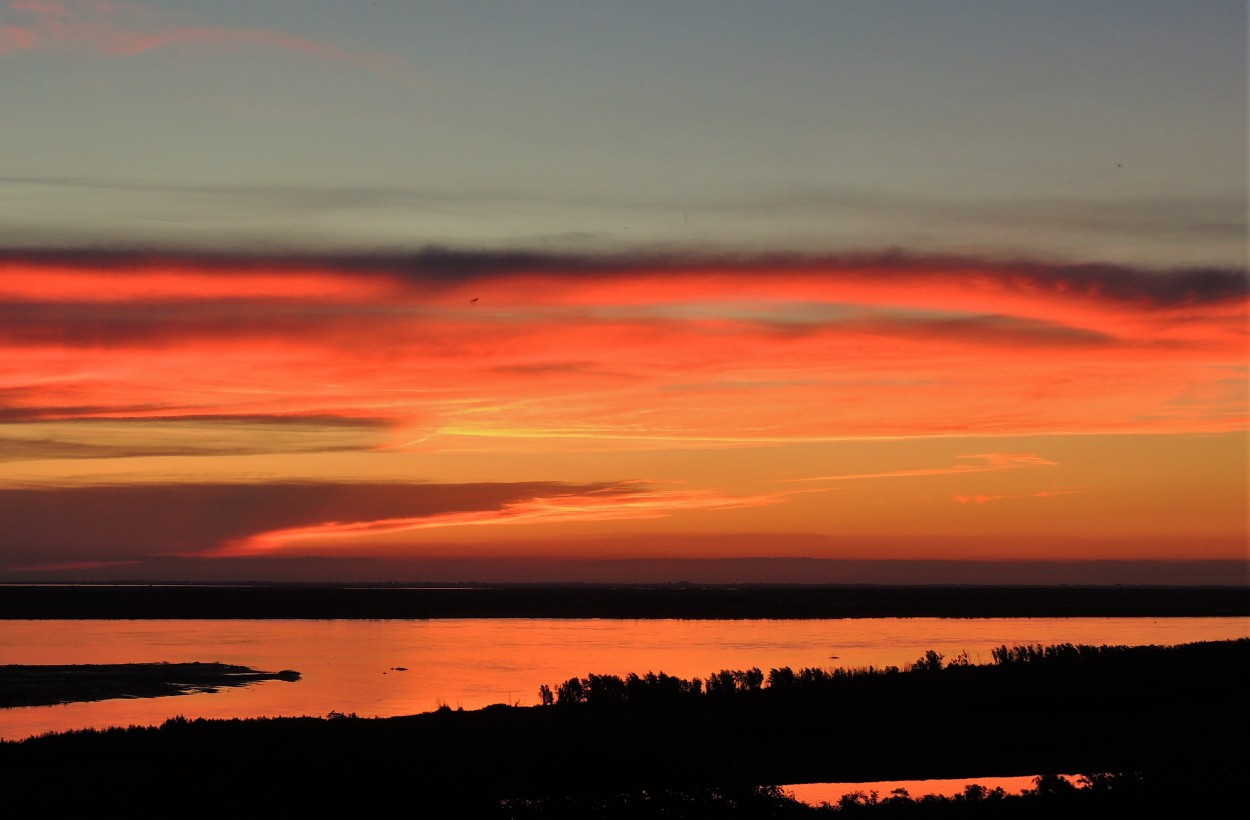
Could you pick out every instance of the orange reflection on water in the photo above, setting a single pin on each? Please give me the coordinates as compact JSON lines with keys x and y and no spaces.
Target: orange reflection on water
{"x":350,"y":666}
{"x":816,"y":793}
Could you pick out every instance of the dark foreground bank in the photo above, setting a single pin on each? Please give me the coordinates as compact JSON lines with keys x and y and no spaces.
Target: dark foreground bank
{"x":658,"y":746}
{"x":601,"y":601}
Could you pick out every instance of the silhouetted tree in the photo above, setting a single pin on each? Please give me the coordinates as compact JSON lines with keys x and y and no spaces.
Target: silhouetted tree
{"x":930,"y":661}
{"x":571,"y":691}
{"x":722,"y":683}
{"x":1052,"y":785}
{"x":750,"y":680}
{"x":780,"y":678}
{"x":603,"y":689}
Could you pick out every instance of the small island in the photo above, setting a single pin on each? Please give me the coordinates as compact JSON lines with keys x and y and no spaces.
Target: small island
{"x":50,"y":685}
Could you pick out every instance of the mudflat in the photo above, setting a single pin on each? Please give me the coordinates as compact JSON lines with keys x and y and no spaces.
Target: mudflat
{"x":25,"y":685}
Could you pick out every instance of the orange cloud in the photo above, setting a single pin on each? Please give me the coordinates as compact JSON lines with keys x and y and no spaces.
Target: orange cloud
{"x":699,"y":354}
{"x":612,"y":504}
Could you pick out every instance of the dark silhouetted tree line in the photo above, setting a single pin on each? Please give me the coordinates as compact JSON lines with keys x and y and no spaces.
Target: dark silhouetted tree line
{"x":655,"y":745}
{"x":659,"y":688}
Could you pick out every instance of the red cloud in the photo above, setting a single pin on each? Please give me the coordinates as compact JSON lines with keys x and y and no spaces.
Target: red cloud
{"x":122,"y":28}
{"x":652,"y":350}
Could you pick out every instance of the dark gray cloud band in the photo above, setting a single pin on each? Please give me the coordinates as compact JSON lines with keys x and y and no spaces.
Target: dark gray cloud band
{"x":434,"y":268}
{"x":140,"y":522}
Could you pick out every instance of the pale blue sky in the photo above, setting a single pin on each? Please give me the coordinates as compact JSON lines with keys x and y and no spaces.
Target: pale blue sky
{"x":1087,"y":131}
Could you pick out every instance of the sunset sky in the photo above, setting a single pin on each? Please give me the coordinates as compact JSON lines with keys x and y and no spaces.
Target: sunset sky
{"x":605,"y":291}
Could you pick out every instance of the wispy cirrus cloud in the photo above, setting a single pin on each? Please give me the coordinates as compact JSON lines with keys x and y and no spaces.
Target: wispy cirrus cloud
{"x":1215,"y":218}
{"x":985,"y":498}
{"x":1171,"y":231}
{"x":988,"y":463}
{"x":201,"y":436}
{"x":121,"y":28}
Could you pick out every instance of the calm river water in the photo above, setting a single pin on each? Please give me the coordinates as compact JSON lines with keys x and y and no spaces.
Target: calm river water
{"x":349,"y":666}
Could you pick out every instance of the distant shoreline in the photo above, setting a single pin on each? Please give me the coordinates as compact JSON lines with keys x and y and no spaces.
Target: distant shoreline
{"x":679,"y":601}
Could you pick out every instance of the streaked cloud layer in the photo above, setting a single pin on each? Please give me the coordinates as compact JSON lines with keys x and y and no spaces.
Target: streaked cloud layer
{"x":330,"y":289}
{"x":133,"y":385}
{"x":687,"y":351}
